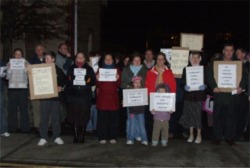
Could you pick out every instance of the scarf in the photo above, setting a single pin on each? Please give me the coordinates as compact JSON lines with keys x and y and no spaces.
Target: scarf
{"x":112,"y":66}
{"x":135,"y":69}
{"x":160,"y":74}
{"x":79,"y":64}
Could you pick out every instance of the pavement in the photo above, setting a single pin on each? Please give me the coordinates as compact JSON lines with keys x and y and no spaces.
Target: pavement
{"x":22,"y":150}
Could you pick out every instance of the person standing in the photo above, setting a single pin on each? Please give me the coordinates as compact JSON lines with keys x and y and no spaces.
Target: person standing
{"x":50,"y":108}
{"x":149,"y":59}
{"x":225,"y":104}
{"x":18,"y":95}
{"x":63,"y":57}
{"x":37,"y":58}
{"x":107,"y":103}
{"x":80,"y":95}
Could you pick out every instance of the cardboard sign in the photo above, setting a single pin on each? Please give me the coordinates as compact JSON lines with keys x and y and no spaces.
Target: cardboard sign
{"x":179,"y":60}
{"x":135,"y":97}
{"x":227,"y":75}
{"x":194,"y":42}
{"x":162,"y":102}
{"x":195,"y":77}
{"x":42,"y":81}
{"x":17,"y":64}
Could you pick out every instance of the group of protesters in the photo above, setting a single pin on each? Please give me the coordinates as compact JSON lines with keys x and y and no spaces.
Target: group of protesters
{"x":97,"y":105}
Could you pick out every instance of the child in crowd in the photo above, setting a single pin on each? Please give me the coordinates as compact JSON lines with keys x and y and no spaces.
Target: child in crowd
{"x":161,"y":120}
{"x":51,"y":107}
{"x":136,"y":116}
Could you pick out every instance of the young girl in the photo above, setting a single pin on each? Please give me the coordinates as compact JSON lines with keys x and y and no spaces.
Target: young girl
{"x":107,"y":103}
{"x":191,"y":117}
{"x":161,"y":120}
{"x":136,"y":116}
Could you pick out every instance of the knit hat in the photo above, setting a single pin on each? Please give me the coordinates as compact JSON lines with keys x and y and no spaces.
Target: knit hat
{"x":135,"y":78}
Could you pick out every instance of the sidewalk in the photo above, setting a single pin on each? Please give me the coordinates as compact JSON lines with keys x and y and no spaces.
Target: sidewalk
{"x":22,"y":148}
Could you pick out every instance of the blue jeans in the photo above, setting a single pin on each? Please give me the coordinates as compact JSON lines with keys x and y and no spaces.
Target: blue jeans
{"x":93,"y":119}
{"x":4,"y":123}
{"x":128,"y":126}
{"x":137,"y":121}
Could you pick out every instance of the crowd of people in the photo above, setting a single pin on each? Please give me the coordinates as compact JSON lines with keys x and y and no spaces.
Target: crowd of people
{"x":97,"y":105}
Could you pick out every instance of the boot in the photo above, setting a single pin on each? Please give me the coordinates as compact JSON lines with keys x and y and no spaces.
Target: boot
{"x":76,"y":135}
{"x":81,"y":138}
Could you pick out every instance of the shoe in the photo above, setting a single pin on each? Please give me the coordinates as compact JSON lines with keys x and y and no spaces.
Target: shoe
{"x":58,"y":141}
{"x":216,"y":142}
{"x":102,"y":141}
{"x":6,"y":134}
{"x":129,"y":142}
{"x":190,"y":139}
{"x":42,"y":142}
{"x":154,"y":144}
{"x":164,"y":144}
{"x":230,"y":142}
{"x":198,"y":140}
{"x":144,"y":143}
{"x":138,"y":138}
{"x":112,"y":141}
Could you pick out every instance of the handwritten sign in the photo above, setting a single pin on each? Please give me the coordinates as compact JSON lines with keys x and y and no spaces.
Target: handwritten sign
{"x":94,"y":63}
{"x":227,"y":74}
{"x":167,"y":52}
{"x":17,"y":64}
{"x":80,"y":74}
{"x":107,"y":75}
{"x":195,"y":77}
{"x":179,"y":60}
{"x":162,"y":102}
{"x":193,"y":42}
{"x":42,"y":81}
{"x":135,"y":97}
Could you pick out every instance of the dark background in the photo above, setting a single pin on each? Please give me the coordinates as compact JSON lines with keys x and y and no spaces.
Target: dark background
{"x":128,"y":25}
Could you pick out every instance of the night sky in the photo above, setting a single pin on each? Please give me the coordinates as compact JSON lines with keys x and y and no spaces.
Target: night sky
{"x":126,"y":25}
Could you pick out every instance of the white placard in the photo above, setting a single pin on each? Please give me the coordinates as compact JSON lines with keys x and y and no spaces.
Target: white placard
{"x":107,"y":75}
{"x":80,"y":78}
{"x":94,"y":63}
{"x":195,"y":77}
{"x":17,"y":64}
{"x":162,"y":102}
{"x":79,"y":71}
{"x":42,"y":81}
{"x":227,"y":76}
{"x":167,"y":52}
{"x":135,"y":97}
{"x":179,"y":60}
{"x":79,"y":82}
{"x":193,"y":42}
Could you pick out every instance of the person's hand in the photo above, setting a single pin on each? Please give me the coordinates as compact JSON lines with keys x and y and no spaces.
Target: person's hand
{"x":171,"y":112}
{"x":187,"y":88}
{"x":59,"y":89}
{"x":153,"y":111}
{"x":3,"y":75}
{"x":216,"y":90}
{"x":68,"y":55}
{"x":239,"y":90}
{"x":117,"y":76}
{"x":131,"y":115}
{"x":202,"y":87}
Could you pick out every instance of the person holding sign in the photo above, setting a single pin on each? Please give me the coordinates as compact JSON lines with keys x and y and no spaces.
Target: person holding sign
{"x":50,"y":108}
{"x":80,"y":79}
{"x":18,"y":92}
{"x":158,"y":74}
{"x":136,"y":127}
{"x":225,"y":103}
{"x":161,"y":120}
{"x":192,"y":111}
{"x":107,"y":103}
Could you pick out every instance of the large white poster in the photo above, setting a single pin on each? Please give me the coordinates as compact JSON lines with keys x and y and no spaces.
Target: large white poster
{"x":179,"y":60}
{"x":162,"y":102}
{"x":135,"y":97}
{"x":194,"y":77}
{"x":193,"y":42}
{"x":227,"y":76}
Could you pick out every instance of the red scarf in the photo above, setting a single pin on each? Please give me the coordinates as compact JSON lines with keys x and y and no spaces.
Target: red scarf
{"x":79,"y":64}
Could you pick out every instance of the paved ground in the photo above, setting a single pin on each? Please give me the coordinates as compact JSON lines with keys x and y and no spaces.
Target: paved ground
{"x":23,"y":149}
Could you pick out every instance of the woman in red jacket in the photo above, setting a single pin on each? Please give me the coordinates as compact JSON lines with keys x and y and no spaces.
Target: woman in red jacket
{"x":158,"y":74}
{"x":107,"y":103}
